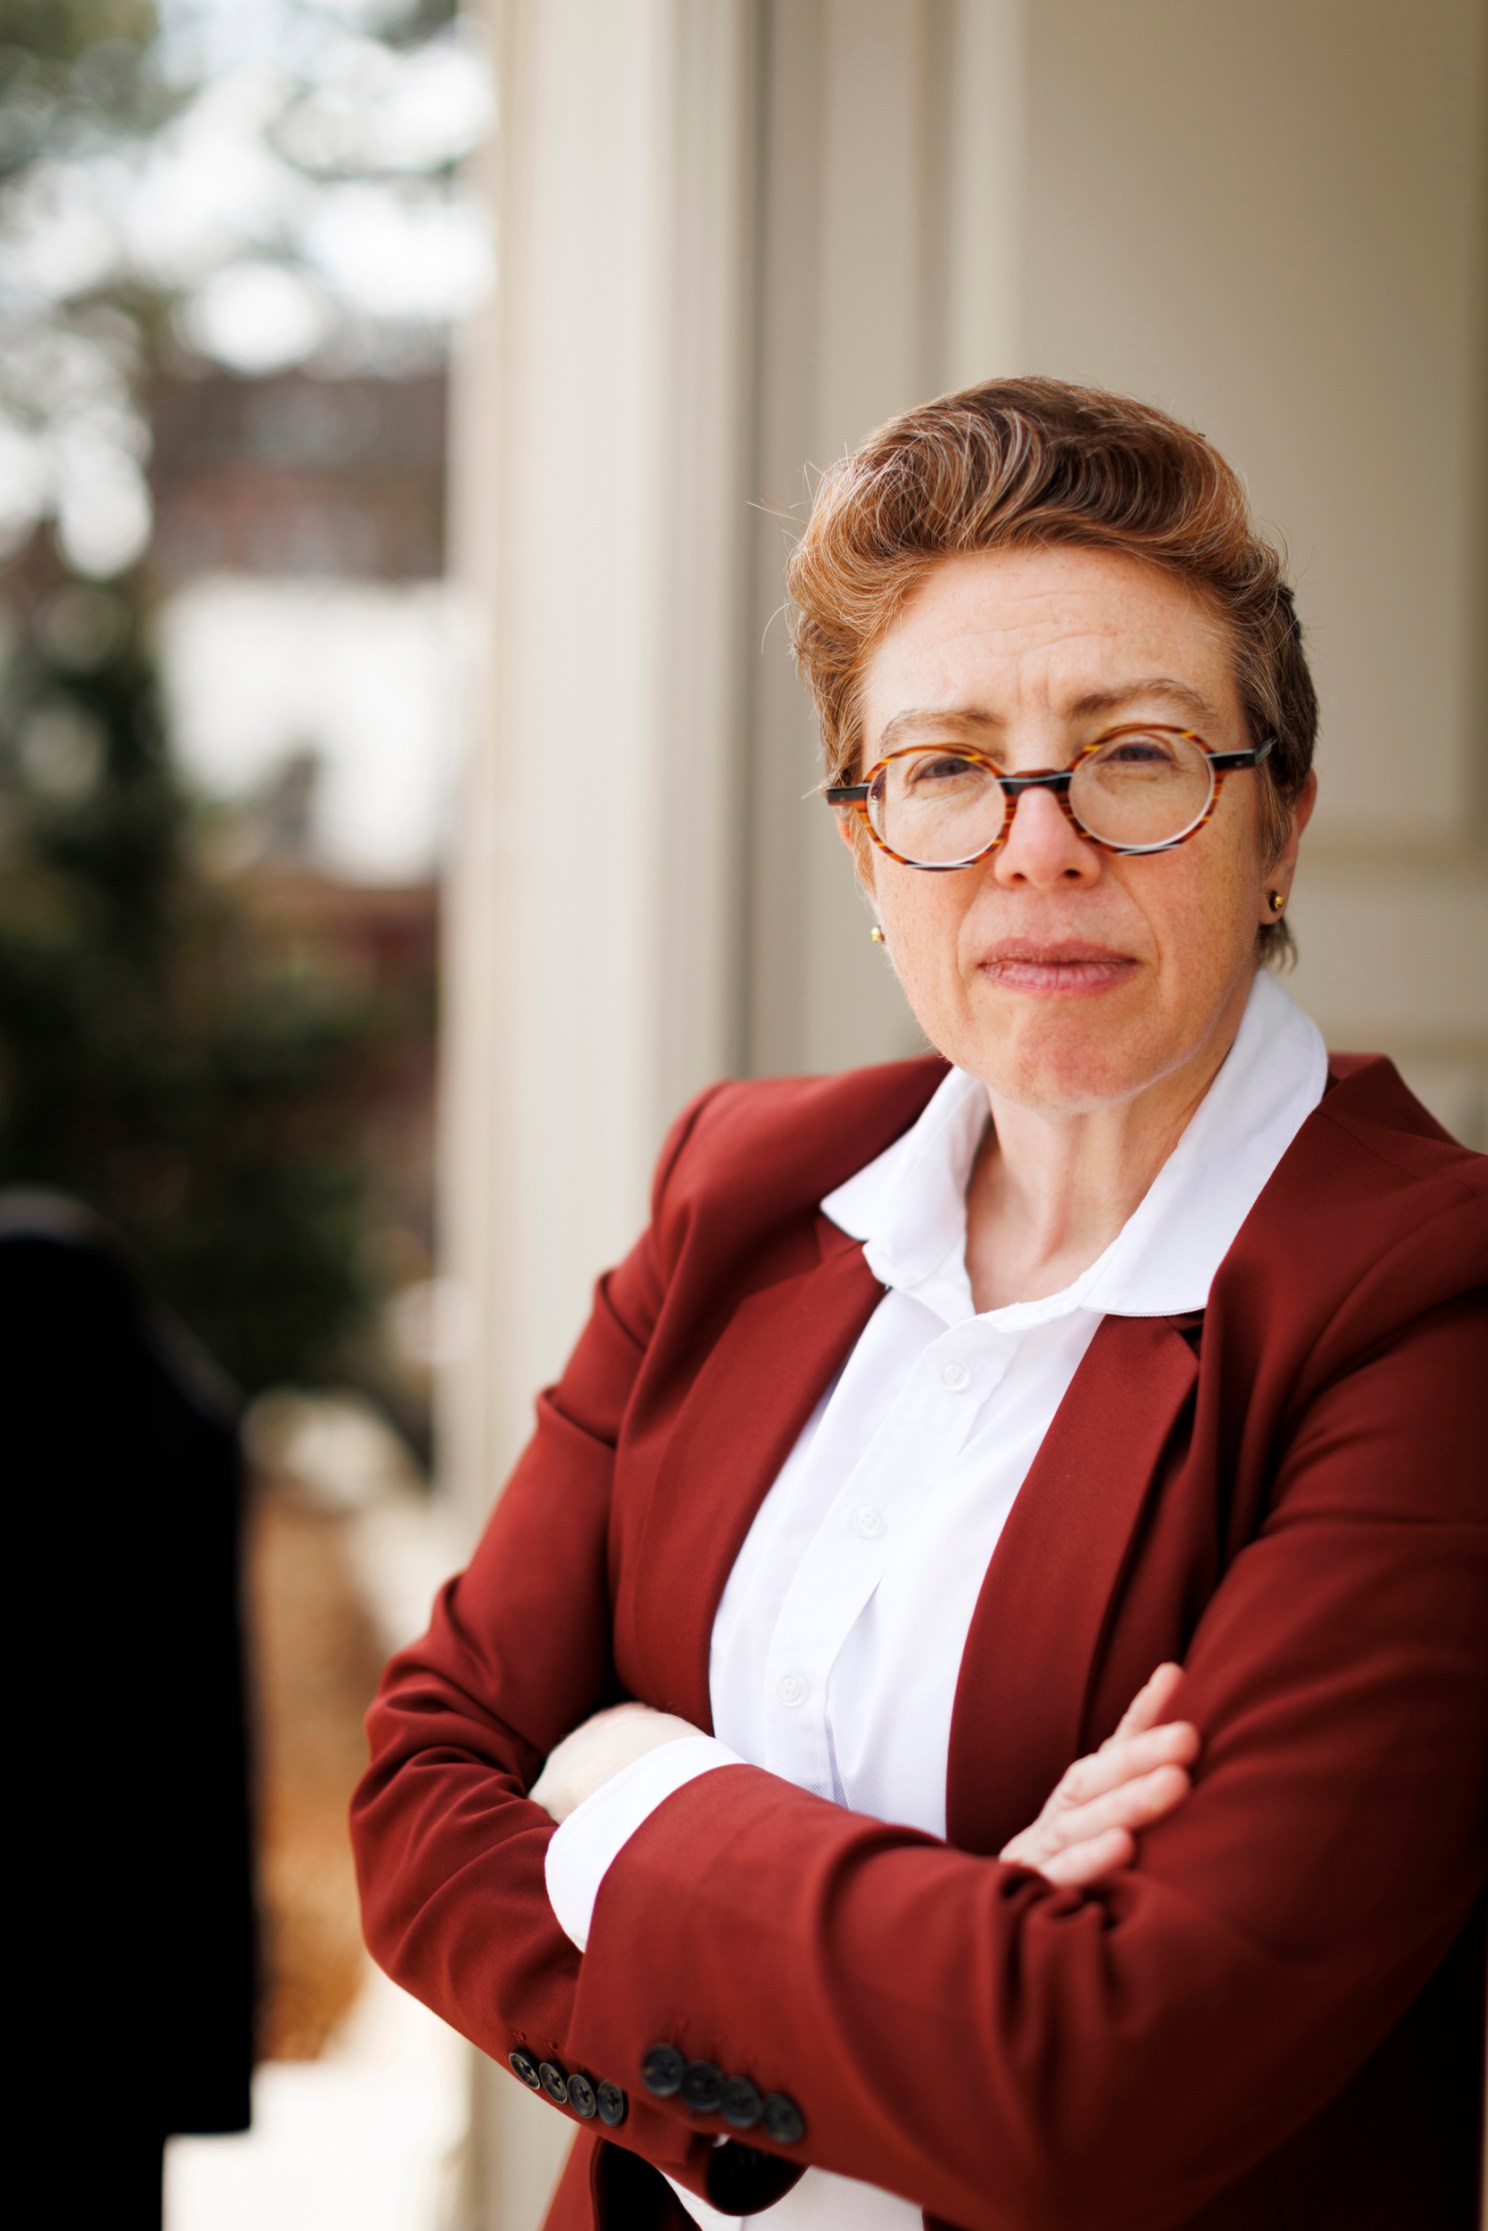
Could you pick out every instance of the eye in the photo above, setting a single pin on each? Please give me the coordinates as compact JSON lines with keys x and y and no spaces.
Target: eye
{"x":938,"y":770}
{"x":1138,"y":748}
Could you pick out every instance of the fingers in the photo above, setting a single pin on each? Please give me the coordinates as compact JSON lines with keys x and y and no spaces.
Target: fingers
{"x":1088,"y":1841}
{"x":1135,"y":1804}
{"x":1149,"y":1703}
{"x":1176,"y":1742}
{"x":1137,"y":1777}
{"x":1086,"y":1863}
{"x":1121,"y":1791}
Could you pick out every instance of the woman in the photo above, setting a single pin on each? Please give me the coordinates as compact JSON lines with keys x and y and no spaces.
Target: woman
{"x":939,"y":1404}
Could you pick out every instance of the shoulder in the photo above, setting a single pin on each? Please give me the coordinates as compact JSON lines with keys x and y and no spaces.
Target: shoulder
{"x":1374,"y":1218}
{"x":1370,"y":1147}
{"x":773,"y":1146}
{"x":1369,"y":1099}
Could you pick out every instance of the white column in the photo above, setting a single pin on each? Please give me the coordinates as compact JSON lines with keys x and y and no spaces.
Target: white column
{"x":601,"y":526}
{"x":890,"y":258}
{"x":601,"y":520}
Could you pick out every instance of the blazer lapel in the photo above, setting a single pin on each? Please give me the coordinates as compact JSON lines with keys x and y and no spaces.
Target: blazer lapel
{"x":1032,"y":1651}
{"x":742,"y":1416}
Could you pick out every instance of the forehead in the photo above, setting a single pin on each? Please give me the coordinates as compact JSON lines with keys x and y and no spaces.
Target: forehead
{"x":1004,"y":633}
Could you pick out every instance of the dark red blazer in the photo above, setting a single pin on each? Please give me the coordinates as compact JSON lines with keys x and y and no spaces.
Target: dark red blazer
{"x":1273,"y":2020}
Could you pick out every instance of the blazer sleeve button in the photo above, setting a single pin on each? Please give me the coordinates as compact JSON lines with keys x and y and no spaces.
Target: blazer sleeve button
{"x":612,"y":2104}
{"x":582,"y":2098}
{"x":702,"y":2087}
{"x":662,"y":2069}
{"x":783,"y":2119}
{"x":742,"y":2104}
{"x":553,"y":2082}
{"x":526,"y":2068}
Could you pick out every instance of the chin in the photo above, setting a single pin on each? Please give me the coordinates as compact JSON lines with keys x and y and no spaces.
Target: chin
{"x":1061,"y":1066}
{"x":1064,"y":1090}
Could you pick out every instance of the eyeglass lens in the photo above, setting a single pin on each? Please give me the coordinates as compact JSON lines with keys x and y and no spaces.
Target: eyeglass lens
{"x":937,"y":807}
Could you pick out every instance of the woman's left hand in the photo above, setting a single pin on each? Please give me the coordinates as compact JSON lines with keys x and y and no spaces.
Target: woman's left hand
{"x":1139,"y":1776}
{"x":598,"y":1749}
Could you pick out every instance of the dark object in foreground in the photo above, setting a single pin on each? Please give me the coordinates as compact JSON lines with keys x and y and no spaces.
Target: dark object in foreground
{"x":134,"y":1967}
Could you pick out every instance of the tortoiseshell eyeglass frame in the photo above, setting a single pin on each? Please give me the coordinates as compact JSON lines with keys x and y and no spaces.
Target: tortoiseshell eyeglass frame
{"x":1056,"y":779}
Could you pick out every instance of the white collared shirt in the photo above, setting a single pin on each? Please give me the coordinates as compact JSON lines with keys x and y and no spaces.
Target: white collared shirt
{"x":838,"y":1639}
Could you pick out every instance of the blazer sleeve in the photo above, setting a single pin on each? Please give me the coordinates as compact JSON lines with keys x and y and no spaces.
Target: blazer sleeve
{"x":1019,"y":2057}
{"x":449,"y":1848}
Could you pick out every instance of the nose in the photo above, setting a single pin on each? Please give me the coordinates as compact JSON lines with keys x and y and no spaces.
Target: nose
{"x":1043,"y":847}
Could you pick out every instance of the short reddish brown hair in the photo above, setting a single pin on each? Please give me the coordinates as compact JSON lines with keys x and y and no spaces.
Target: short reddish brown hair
{"x":1029,"y":462}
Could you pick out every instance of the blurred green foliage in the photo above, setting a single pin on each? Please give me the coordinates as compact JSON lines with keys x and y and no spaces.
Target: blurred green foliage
{"x":162,"y":1059}
{"x":72,"y":71}
{"x":61,"y":30}
{"x":155,"y":1061}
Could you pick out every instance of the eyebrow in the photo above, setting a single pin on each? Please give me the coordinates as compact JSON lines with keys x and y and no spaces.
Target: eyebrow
{"x":940,"y":720}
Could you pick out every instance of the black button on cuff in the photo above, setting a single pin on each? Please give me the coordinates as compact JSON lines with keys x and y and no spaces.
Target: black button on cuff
{"x":582,"y":2097}
{"x":742,"y":2104}
{"x":662,"y":2070}
{"x":783,"y":2119}
{"x":553,"y":2082}
{"x":612,"y":2104}
{"x":526,"y":2068}
{"x":702,"y":2087}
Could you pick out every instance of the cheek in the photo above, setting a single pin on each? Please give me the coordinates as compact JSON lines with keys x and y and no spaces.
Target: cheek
{"x":1206,"y":908}
{"x":921,"y":915}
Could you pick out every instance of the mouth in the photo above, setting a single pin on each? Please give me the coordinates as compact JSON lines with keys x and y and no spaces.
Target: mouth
{"x":1067,"y":966}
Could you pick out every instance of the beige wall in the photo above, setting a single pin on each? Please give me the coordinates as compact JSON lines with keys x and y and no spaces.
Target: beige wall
{"x":732,"y":235}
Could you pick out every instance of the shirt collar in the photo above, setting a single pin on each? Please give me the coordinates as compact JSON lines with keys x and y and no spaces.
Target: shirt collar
{"x":909,"y":1204}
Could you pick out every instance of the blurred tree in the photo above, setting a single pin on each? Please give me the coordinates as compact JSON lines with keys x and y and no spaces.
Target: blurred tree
{"x":199,"y":182}
{"x":153,"y":1062}
{"x":190,"y":184}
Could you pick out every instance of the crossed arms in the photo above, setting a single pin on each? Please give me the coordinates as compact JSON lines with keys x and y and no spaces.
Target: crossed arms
{"x":1009,"y":2052}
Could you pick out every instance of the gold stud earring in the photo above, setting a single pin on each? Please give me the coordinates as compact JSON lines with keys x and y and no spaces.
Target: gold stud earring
{"x":1276,"y":900}
{"x":876,"y":934}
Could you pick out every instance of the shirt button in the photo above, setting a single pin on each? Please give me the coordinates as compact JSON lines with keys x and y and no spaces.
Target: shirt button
{"x":955,"y":1376}
{"x":869,"y":1522}
{"x":791,"y":1690}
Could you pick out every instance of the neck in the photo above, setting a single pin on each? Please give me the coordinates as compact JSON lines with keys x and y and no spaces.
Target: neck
{"x":1050,"y":1191}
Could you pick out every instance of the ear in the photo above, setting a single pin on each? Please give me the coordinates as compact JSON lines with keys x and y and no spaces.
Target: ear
{"x":1305,"y":800}
{"x":1284,"y":866}
{"x":860,"y":845}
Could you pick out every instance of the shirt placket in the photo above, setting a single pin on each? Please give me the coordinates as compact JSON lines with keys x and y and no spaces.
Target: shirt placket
{"x":866,"y":1523}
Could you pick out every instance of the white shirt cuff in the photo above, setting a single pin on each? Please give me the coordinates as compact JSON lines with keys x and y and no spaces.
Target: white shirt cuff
{"x":580,"y":1853}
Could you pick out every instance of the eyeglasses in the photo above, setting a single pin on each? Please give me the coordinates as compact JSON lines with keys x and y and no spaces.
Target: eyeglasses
{"x":1141,"y":788}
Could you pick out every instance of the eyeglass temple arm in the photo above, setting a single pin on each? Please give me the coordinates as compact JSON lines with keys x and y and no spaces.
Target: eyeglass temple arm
{"x":1221,"y":761}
